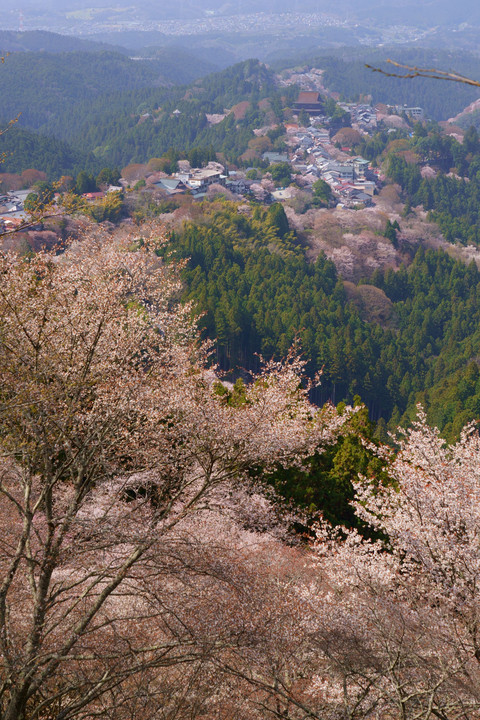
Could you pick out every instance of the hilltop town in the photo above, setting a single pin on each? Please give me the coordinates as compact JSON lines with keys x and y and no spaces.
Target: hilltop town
{"x":314,"y":149}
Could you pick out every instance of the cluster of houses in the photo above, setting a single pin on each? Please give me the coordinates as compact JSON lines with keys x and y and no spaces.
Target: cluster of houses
{"x":12,"y":213}
{"x":310,"y":154}
{"x":195,"y":181}
{"x":362,"y":116}
{"x":311,"y":157}
{"x":351,"y":179}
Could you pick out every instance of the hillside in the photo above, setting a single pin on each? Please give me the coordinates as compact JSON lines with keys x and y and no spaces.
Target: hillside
{"x":43,"y":41}
{"x":133,"y":126}
{"x":25,"y":149}
{"x":345,"y":73}
{"x":44,"y":86}
{"x":389,"y":317}
{"x":121,"y":109}
{"x":40,"y":87}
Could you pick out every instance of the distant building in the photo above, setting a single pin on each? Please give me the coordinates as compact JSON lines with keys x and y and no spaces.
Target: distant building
{"x":92,"y":196}
{"x":343,"y":171}
{"x":172,"y":186}
{"x":352,"y":196}
{"x":310,"y":102}
{"x":202,"y":177}
{"x":367,"y":186}
{"x":199,"y":179}
{"x":416,"y":113}
{"x":360,"y":166}
{"x":239,"y":186}
{"x":274,"y":157}
{"x":13,"y":223}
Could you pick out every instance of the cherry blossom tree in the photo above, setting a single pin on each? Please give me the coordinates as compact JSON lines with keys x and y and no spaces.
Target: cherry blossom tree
{"x":398,"y":617}
{"x":384,"y":624}
{"x":114,"y":439}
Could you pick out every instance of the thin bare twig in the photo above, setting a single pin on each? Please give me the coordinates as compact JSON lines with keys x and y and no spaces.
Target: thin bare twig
{"x":433,"y":73}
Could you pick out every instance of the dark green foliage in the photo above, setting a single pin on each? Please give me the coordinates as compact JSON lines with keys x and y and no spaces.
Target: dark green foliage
{"x":85,"y":183}
{"x":471,"y":143}
{"x":322,"y":193}
{"x":44,"y":86}
{"x":390,"y":232}
{"x":259,"y":293}
{"x":338,"y":117}
{"x":372,"y":147}
{"x":107,"y":176}
{"x":281,"y":173}
{"x":277,"y":219}
{"x":114,"y":111}
{"x":31,"y":202}
{"x":199,"y":157}
{"x":454,"y":202}
{"x":44,"y":192}
{"x":134,"y":126}
{"x":325,"y":485}
{"x":27,"y":149}
{"x":455,"y":400}
{"x":41,"y":196}
{"x":303,"y":118}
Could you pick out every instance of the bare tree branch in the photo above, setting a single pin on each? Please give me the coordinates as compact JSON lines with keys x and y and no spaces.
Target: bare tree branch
{"x":413,"y":71}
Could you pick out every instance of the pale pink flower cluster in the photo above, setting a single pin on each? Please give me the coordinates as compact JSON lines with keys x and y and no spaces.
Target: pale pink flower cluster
{"x":143,"y":575}
{"x":408,"y":601}
{"x":115,"y":438}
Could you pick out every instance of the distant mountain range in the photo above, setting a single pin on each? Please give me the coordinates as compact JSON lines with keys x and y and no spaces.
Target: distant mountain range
{"x":43,"y":41}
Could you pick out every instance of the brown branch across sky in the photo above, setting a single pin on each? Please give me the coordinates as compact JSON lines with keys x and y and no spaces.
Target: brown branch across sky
{"x":413,"y":71}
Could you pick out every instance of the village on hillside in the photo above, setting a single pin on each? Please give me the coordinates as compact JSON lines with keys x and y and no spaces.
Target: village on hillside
{"x":313,"y":150}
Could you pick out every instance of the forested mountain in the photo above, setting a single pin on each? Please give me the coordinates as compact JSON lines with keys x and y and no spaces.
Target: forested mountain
{"x":452,"y":195}
{"x":44,"y":86}
{"x":24,"y":149}
{"x":106,"y":104}
{"x":202,"y":513}
{"x":258,"y":292}
{"x":122,"y":110}
{"x":43,"y":41}
{"x":250,"y":275}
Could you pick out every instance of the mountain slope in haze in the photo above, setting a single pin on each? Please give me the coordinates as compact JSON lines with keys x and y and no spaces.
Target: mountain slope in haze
{"x":43,"y":41}
{"x":25,"y":149}
{"x":126,"y":126}
{"x":46,"y":85}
